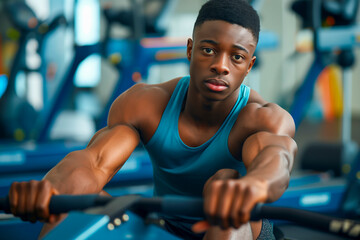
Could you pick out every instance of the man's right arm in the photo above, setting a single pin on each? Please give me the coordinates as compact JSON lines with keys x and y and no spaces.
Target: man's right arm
{"x":80,"y":172}
{"x":85,"y":171}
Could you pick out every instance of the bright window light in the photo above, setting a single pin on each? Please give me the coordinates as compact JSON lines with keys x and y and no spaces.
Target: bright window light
{"x":40,"y":7}
{"x":87,"y":32}
{"x":87,"y":22}
{"x":88,"y":73}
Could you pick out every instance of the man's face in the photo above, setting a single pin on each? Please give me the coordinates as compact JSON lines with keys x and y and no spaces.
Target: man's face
{"x":220,"y":55}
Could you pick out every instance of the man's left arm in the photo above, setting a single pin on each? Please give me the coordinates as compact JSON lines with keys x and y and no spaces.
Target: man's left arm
{"x":268,"y":154}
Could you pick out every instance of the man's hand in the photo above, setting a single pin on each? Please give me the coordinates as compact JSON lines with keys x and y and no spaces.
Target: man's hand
{"x":30,"y":200}
{"x":228,"y":200}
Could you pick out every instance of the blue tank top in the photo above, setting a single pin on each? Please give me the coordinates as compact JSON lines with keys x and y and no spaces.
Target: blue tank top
{"x":183,"y":170}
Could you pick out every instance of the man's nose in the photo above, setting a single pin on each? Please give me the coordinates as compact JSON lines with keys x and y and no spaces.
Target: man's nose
{"x":220,"y":64}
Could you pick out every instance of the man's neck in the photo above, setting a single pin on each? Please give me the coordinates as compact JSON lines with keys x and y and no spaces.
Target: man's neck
{"x":203,"y":111}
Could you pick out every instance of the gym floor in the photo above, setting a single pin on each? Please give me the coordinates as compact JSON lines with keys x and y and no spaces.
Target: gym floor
{"x":324,"y":131}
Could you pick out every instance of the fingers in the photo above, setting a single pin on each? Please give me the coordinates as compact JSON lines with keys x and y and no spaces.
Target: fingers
{"x":235,"y":209}
{"x":30,"y":200}
{"x":13,"y":198}
{"x":245,"y":199}
{"x":211,"y":201}
{"x":218,"y":202}
{"x":224,"y":206}
{"x":41,"y":207}
{"x":22,"y":203}
{"x":222,"y":174}
{"x":228,"y":203}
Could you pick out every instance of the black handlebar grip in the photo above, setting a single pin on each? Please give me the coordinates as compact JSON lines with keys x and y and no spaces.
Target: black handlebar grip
{"x":257,"y":212}
{"x":66,"y":203}
{"x":4,"y":204}
{"x":192,"y":207}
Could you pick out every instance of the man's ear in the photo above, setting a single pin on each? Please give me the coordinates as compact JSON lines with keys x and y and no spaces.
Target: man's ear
{"x":189,"y":48}
{"x":251,"y":64}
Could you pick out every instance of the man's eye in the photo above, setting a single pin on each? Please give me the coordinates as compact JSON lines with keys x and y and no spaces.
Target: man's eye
{"x":237,"y":57}
{"x":208,"y":50}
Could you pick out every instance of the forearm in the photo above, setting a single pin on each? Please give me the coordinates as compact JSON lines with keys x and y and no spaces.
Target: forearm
{"x":76,"y":174}
{"x":88,"y":170}
{"x":272,"y":167}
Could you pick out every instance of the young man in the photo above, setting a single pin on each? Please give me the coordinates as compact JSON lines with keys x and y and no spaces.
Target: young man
{"x":207,"y":134}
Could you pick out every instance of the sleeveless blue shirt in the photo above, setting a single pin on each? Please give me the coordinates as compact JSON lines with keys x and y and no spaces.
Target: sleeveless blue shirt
{"x":183,"y":170}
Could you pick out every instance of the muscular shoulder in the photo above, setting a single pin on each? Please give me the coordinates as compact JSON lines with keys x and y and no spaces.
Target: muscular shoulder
{"x":260,"y":115}
{"x":141,"y":104}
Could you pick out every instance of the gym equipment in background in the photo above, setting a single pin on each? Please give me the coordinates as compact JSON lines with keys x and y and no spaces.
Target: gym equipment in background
{"x":31,"y":160}
{"x":333,"y":43}
{"x":127,"y":55}
{"x":339,"y":196}
{"x":17,"y":114}
{"x":37,"y":123}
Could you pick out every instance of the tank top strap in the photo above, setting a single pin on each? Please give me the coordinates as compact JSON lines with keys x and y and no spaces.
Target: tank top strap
{"x":175,"y":103}
{"x":172,"y":111}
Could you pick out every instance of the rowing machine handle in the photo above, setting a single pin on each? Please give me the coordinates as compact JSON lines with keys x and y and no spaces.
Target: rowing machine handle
{"x":194,"y":208}
{"x":172,"y":205}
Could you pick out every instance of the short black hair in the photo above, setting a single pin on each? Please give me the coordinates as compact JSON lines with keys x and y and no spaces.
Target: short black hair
{"x":238,"y":12}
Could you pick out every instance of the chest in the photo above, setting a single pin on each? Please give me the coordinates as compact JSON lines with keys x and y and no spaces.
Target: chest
{"x":195,"y":135}
{"x":230,"y":136}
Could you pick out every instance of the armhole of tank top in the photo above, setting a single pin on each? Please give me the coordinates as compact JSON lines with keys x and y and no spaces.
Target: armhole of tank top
{"x":245,"y":93}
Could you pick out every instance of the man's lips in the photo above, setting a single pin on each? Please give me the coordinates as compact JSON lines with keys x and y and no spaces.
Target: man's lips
{"x":216,"y":85}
